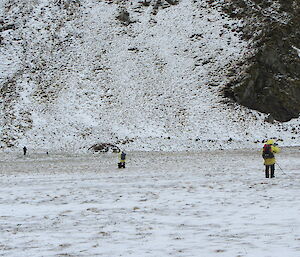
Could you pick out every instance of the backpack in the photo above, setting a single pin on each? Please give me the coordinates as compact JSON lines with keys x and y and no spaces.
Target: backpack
{"x":123,"y":156}
{"x":267,"y":152}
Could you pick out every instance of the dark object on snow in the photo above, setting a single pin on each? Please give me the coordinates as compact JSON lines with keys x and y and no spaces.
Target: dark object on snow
{"x":121,"y":165}
{"x":122,"y":160}
{"x":270,"y":170}
{"x":104,"y":147}
{"x":172,"y":2}
{"x":124,"y":17}
{"x":67,"y":3}
{"x":24,"y":150}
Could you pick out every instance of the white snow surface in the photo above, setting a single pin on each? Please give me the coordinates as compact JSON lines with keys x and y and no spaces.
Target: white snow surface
{"x":215,"y":203}
{"x":82,"y":78}
{"x":297,"y":50}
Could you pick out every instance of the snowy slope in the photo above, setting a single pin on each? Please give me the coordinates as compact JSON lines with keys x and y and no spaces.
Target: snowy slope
{"x":78,"y":76}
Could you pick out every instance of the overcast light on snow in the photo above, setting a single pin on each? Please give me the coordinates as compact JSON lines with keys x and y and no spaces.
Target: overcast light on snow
{"x":78,"y":77}
{"x":155,"y":84}
{"x":163,"y":204}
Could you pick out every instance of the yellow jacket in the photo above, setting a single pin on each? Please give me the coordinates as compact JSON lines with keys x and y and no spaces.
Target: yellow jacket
{"x":275,"y":149}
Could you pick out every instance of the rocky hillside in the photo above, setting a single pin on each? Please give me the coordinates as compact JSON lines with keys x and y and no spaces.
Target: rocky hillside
{"x":270,"y":79}
{"x":143,"y":75}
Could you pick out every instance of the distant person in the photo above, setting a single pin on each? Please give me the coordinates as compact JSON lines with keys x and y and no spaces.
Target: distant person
{"x":269,"y":149}
{"x":122,"y":160}
{"x":24,"y":150}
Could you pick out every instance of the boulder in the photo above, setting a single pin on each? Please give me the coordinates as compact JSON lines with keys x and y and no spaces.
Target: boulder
{"x":104,"y":147}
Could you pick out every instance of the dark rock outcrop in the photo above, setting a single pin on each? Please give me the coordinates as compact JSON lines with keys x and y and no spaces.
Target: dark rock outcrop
{"x":104,"y":147}
{"x":270,"y":79}
{"x":124,"y":17}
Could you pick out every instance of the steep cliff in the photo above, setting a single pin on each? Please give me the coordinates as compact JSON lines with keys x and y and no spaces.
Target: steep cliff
{"x":269,"y":80}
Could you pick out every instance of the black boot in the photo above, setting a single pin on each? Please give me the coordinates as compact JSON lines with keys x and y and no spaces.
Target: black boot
{"x":272,"y":174}
{"x":267,"y":174}
{"x":273,"y":171}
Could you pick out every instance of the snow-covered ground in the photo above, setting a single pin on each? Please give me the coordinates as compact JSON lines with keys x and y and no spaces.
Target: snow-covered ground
{"x":215,"y":203}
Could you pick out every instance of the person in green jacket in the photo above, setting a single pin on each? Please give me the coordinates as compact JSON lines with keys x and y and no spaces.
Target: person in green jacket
{"x":269,"y":149}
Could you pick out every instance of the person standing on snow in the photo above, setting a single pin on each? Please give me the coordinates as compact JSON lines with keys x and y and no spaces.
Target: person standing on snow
{"x":24,"y":150}
{"x":122,"y":159}
{"x":269,"y":149}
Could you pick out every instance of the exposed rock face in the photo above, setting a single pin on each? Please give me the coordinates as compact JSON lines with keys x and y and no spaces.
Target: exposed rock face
{"x":124,"y":17}
{"x":270,"y":80}
{"x":104,"y":147}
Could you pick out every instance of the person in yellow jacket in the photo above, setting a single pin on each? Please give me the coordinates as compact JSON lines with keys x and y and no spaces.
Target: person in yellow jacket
{"x":269,"y":149}
{"x":122,"y":160}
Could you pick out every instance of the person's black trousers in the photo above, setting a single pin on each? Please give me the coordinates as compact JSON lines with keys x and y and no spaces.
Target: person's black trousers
{"x":270,"y":171}
{"x":121,"y":165}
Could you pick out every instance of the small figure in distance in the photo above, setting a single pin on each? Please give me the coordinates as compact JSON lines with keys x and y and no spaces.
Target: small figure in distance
{"x":24,"y":150}
{"x":269,"y":149}
{"x":122,"y":159}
